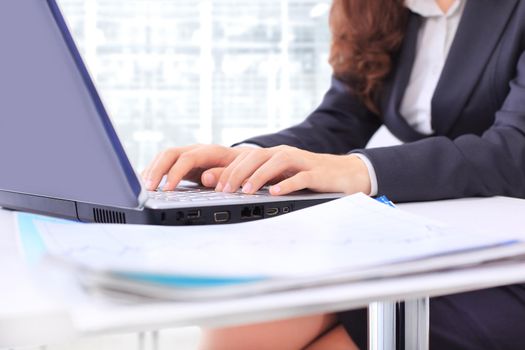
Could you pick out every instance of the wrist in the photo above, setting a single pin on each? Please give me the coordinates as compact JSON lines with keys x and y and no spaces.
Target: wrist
{"x":359,"y":175}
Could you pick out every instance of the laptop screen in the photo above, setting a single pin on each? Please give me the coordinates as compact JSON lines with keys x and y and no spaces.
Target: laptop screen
{"x":55,"y":137}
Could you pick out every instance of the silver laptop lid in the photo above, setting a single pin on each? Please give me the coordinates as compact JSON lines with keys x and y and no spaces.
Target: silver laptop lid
{"x":56,"y":139}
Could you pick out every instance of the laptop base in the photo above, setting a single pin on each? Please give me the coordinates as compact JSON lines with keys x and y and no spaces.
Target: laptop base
{"x":198,"y":215}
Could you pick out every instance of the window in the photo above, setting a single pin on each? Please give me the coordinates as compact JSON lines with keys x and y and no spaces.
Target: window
{"x":183,"y":71}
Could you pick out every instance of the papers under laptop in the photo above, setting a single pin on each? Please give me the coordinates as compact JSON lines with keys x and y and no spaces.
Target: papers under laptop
{"x":83,"y":170}
{"x":348,"y":239}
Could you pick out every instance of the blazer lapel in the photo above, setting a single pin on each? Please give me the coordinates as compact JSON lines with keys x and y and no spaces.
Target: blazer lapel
{"x":478,"y":34}
{"x":395,"y":86}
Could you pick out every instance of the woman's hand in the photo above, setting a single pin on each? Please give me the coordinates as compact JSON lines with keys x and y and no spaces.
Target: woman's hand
{"x":189,"y":163}
{"x":288,"y":168}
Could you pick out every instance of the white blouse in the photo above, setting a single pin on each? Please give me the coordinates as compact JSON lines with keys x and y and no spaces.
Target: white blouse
{"x":433,"y":44}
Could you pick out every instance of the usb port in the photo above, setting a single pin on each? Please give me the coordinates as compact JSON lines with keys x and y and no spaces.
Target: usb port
{"x":286,"y":210}
{"x":221,"y":216}
{"x":194,"y":214}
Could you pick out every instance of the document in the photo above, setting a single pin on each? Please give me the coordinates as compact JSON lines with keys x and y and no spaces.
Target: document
{"x":339,"y":238}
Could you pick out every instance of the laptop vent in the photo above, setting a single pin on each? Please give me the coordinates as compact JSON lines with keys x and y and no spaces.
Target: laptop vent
{"x":104,"y":216}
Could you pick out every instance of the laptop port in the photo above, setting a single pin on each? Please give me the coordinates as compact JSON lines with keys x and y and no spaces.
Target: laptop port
{"x":252,"y":213}
{"x":286,"y":210}
{"x":257,"y":212}
{"x":221,"y":216}
{"x":194,"y":214}
{"x":246,"y":213}
{"x":272,"y":211}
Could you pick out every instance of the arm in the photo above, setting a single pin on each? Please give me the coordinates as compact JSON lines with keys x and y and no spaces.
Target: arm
{"x":470,"y":165}
{"x":340,"y":124}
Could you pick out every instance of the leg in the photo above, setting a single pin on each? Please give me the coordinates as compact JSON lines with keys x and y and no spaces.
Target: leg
{"x":355,"y":322}
{"x":291,"y":334}
{"x":336,"y":339}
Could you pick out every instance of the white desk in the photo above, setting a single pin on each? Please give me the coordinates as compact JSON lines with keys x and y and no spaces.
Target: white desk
{"x":31,"y":319}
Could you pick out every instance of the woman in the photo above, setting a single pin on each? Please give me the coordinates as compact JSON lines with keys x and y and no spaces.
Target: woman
{"x":447,"y":77}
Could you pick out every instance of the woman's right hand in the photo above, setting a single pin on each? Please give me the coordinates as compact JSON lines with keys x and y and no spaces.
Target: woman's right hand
{"x":287,"y":168}
{"x":198,"y":163}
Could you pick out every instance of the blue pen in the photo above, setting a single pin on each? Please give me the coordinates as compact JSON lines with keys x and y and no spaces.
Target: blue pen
{"x":385,"y":200}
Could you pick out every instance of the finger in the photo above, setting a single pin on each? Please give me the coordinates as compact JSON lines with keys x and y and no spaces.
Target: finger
{"x":161,"y":165}
{"x":221,"y":183}
{"x":203,"y":157}
{"x":279,"y":165}
{"x":297,"y":182}
{"x":146,"y":171}
{"x":244,"y":169}
{"x":194,"y":175}
{"x":210,"y":177}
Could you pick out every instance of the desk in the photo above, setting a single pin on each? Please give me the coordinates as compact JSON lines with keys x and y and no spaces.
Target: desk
{"x":88,"y":317}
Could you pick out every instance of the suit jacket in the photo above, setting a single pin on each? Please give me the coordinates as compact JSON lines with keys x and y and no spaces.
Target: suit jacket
{"x":478,"y":114}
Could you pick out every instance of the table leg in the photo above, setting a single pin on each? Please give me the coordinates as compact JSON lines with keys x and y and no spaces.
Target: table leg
{"x":382,"y":326}
{"x":148,"y":340}
{"x":155,"y":340}
{"x":417,"y":323}
{"x":141,"y":341}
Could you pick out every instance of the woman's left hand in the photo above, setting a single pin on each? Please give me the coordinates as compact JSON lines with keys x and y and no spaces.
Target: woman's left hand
{"x":291,"y":169}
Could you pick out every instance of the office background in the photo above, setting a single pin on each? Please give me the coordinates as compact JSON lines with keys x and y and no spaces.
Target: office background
{"x":176,"y":72}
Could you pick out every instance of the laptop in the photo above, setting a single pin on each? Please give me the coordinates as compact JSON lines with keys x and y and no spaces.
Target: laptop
{"x":61,"y":156}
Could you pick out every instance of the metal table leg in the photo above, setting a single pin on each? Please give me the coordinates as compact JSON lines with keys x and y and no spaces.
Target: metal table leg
{"x":155,"y":340}
{"x":382,"y":326}
{"x":141,"y":341}
{"x":148,"y":340}
{"x":417,"y":323}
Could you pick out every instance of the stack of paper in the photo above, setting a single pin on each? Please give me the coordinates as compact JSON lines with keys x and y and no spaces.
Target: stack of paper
{"x":348,"y":239}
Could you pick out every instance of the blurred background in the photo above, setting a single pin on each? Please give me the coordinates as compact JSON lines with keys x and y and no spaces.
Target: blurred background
{"x":176,"y":72}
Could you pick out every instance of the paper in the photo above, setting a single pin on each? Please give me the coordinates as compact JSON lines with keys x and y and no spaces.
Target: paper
{"x":349,"y":233}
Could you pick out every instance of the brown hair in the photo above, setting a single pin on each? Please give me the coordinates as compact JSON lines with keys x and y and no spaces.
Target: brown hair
{"x":365,"y":35}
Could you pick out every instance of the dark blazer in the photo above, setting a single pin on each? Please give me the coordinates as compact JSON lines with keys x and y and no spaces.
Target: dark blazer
{"x":478,"y":114}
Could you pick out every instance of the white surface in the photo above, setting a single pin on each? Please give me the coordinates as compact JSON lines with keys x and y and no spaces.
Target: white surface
{"x":89,"y":318}
{"x":498,"y":214}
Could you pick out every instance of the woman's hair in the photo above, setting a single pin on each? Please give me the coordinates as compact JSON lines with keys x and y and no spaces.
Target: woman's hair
{"x":365,"y":36}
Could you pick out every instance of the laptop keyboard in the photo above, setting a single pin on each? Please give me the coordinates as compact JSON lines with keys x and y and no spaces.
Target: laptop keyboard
{"x":195,"y":194}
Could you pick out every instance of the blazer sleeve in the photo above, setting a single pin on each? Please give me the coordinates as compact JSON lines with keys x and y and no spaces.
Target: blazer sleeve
{"x":470,"y":165}
{"x":340,"y":124}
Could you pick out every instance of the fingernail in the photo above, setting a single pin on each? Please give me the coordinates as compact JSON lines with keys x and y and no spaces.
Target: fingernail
{"x":218,"y":188}
{"x":208,"y":179}
{"x":275,"y":189}
{"x":227,"y":188}
{"x":247,"y":188}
